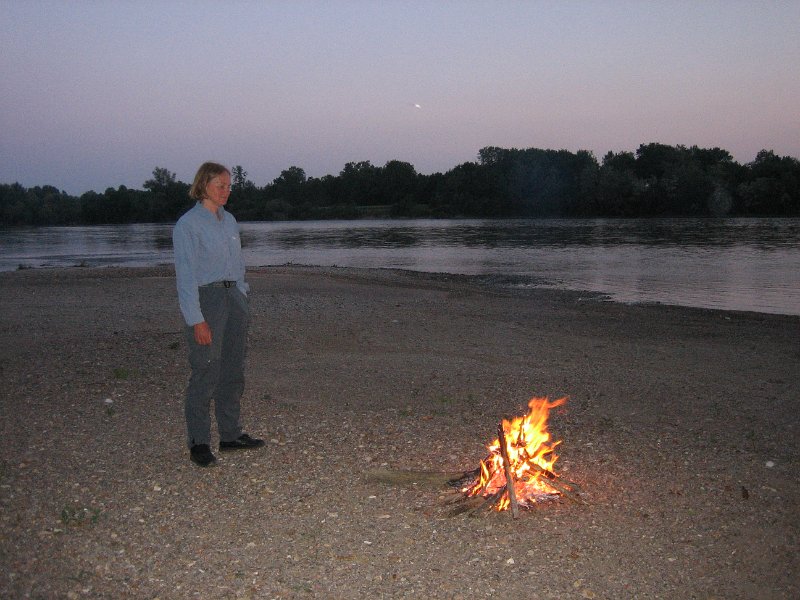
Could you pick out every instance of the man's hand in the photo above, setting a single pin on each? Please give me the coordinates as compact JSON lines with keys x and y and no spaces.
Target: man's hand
{"x":202,"y":334}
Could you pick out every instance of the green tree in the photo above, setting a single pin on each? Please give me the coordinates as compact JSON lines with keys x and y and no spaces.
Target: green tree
{"x":92,"y":208}
{"x":244,"y":195}
{"x":162,"y":180}
{"x":359,"y":184}
{"x":653,"y":160}
{"x":772,"y":187}
{"x":239,"y":179}
{"x":119,"y":205}
{"x":397,"y":185}
{"x":16,"y":206}
{"x":167,"y":198}
{"x":289,"y":189}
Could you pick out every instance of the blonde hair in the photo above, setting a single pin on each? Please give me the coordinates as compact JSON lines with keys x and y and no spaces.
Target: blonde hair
{"x":206,"y":172}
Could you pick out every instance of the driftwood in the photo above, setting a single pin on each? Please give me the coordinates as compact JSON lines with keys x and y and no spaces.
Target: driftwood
{"x":429,"y":479}
{"x":512,"y":490}
{"x":477,"y":505}
{"x":464,"y":478}
{"x":466,"y":505}
{"x":451,"y":484}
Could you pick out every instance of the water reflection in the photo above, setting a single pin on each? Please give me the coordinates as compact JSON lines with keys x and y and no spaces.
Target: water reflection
{"x":555,"y":233}
{"x":745,"y":264}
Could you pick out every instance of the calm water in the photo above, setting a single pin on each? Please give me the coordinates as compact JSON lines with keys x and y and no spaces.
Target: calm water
{"x":730,"y":264}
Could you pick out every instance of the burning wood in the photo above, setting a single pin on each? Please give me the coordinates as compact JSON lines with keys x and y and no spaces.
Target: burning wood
{"x":508,"y":471}
{"x":519,"y":469}
{"x":518,"y":473}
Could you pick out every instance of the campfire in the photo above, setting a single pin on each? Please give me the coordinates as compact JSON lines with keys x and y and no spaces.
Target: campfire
{"x":519,"y":470}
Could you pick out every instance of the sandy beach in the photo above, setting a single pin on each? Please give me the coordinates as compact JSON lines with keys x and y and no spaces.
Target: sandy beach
{"x":681,"y":427}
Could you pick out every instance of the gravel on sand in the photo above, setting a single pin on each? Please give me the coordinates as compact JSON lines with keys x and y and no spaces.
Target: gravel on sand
{"x":682,"y":428}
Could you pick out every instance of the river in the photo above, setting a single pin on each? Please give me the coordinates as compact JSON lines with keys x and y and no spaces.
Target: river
{"x":727,"y":264}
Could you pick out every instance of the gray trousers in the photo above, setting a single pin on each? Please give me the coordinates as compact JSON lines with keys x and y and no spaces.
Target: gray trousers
{"x":218,"y":369}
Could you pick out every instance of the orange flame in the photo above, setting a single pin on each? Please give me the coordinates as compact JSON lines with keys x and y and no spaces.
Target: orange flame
{"x":531,"y":456}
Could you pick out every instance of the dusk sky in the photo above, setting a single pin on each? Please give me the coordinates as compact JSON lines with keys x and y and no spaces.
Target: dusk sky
{"x":96,"y":94}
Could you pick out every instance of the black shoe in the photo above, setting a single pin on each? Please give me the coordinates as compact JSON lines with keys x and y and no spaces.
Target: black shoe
{"x":243,"y":442}
{"x":201,"y":455}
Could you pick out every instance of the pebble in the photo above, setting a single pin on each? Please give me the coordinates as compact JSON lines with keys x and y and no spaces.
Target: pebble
{"x":409,"y":558}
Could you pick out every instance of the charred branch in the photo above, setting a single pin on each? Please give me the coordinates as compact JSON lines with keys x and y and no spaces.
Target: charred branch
{"x":512,"y":492}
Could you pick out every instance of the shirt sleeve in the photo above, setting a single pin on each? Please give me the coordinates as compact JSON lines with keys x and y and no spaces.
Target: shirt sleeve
{"x":185,"y":274}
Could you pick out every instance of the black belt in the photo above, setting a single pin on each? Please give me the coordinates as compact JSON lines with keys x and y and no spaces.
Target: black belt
{"x":225,"y":284}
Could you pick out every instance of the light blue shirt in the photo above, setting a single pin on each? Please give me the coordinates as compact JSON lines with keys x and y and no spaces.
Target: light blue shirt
{"x":207,"y":249}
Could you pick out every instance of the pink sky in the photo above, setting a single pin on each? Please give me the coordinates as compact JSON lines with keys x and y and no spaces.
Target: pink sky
{"x":97,"y":94}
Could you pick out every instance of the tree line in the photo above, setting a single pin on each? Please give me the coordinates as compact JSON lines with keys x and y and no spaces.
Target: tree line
{"x":657,"y":180}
